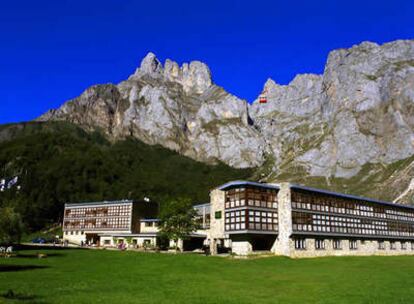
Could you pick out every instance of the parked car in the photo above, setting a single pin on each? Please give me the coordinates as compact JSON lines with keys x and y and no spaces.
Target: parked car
{"x":39,"y":240}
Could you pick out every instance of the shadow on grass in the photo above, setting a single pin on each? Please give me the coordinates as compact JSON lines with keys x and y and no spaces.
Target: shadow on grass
{"x":42,"y":247}
{"x":12,"y":268}
{"x":35,"y":255}
{"x":11,"y":295}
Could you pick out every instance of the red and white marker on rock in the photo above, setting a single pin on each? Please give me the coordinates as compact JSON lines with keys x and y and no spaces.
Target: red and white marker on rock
{"x":263,"y":97}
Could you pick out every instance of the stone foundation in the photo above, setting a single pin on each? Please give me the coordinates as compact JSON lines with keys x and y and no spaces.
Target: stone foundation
{"x":364,"y":248}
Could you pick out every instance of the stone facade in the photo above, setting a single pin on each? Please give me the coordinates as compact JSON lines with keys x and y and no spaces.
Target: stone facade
{"x":364,"y":248}
{"x":216,"y":232}
{"x":281,"y":245}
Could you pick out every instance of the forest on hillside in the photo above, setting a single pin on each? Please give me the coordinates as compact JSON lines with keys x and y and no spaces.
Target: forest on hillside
{"x":58,"y":163}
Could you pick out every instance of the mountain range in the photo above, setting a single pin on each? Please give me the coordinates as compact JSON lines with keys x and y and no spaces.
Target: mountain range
{"x":349,"y":129}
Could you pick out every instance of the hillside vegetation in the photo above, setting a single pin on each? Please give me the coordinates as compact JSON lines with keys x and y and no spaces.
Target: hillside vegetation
{"x":58,"y":162}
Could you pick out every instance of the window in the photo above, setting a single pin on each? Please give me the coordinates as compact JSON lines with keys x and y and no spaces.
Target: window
{"x":107,"y":242}
{"x":403,"y":246}
{"x":82,"y":232}
{"x":393,"y":245}
{"x":260,"y":220}
{"x":412,"y":245}
{"x":319,"y":244}
{"x":217,"y":215}
{"x":381,"y":245}
{"x":148,"y":224}
{"x":337,"y":244}
{"x":71,"y":233}
{"x":353,"y":245}
{"x":300,"y":244}
{"x":66,"y":232}
{"x":370,"y":219}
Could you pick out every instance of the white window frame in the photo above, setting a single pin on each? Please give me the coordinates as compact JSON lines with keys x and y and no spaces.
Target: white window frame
{"x":300,"y":244}
{"x":353,"y":245}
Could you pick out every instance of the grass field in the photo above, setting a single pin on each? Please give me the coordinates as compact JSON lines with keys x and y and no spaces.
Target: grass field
{"x":99,"y":276}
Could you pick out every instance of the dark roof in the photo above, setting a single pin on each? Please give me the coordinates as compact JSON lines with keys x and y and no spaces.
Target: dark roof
{"x":350,"y":196}
{"x":201,"y":205}
{"x":149,"y":220}
{"x":247,"y":183}
{"x":98,"y":203}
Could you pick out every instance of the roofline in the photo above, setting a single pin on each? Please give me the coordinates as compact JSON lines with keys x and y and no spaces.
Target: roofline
{"x":248,"y":183}
{"x":98,"y":203}
{"x":121,"y":234}
{"x":150,"y":220}
{"x":350,"y":196}
{"x":202,"y":205}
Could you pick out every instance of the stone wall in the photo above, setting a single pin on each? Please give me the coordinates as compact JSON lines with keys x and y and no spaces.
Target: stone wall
{"x":216,"y":232}
{"x":241,"y":247}
{"x":364,"y":248}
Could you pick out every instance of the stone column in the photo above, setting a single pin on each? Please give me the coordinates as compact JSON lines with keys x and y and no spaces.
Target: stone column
{"x":213,"y":247}
{"x":282,"y":244}
{"x":180,"y":245}
{"x":216,"y":231}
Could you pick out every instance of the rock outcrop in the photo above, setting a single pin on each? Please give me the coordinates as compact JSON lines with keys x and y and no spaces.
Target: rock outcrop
{"x":177,"y":107}
{"x":359,"y":111}
{"x":358,"y":114}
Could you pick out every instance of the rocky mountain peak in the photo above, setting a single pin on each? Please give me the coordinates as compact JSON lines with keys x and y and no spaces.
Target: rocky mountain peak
{"x":270,"y":84}
{"x":150,"y":65}
{"x":195,"y":77}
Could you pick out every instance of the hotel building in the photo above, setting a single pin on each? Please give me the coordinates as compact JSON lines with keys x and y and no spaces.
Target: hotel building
{"x":135,"y":223}
{"x":110,"y":222}
{"x":297,"y":221}
{"x":248,"y":218}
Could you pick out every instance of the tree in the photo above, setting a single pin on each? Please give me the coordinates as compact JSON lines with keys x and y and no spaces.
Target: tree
{"x":177,"y":219}
{"x":11,"y":226}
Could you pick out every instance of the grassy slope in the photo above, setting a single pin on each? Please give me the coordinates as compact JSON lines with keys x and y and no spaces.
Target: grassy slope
{"x":60,"y":163}
{"x":129,"y":277}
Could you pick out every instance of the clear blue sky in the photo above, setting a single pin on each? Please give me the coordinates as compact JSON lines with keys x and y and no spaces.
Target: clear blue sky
{"x":50,"y":51}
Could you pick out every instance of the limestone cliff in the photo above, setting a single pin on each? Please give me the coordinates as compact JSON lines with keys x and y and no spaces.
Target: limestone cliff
{"x":177,"y":107}
{"x":351,"y":126}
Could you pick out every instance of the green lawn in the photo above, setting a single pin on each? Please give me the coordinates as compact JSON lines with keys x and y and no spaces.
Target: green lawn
{"x":99,"y":276}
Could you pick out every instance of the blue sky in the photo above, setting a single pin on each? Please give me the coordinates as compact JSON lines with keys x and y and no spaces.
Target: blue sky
{"x":50,"y":51}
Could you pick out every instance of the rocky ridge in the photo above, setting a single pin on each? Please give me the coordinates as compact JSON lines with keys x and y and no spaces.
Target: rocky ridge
{"x":177,"y":107}
{"x":353,"y":122}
